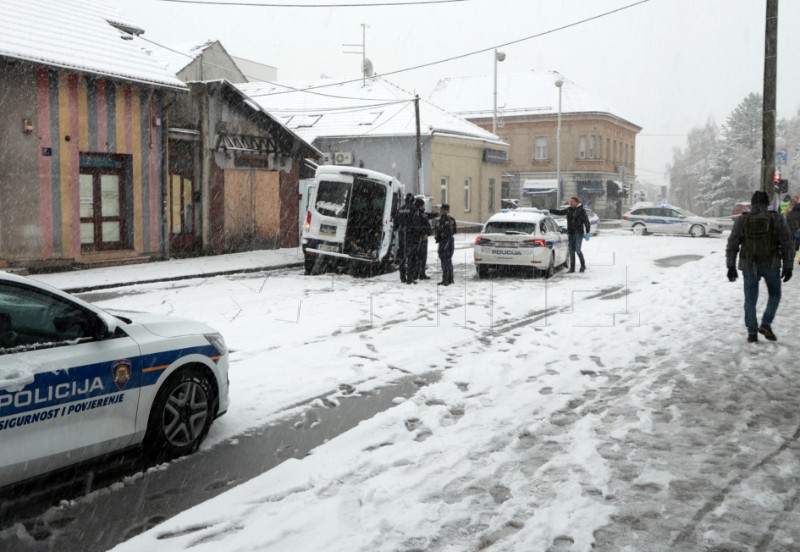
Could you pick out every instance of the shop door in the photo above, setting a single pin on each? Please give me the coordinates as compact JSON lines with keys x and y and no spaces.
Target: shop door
{"x":181,"y":196}
{"x":102,"y":209}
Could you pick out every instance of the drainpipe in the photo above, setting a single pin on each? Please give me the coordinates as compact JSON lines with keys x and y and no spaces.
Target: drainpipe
{"x":205,"y":177}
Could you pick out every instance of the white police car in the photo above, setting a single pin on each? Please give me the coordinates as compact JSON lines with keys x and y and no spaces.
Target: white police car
{"x":669,"y":220}
{"x":522,"y":237}
{"x":77,"y":382}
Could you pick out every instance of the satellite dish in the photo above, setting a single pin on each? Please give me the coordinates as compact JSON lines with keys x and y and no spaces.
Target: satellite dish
{"x":367,"y":68}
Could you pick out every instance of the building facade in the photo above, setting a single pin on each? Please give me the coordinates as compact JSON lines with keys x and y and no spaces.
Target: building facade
{"x":597,"y":147}
{"x":373,"y":125}
{"x":81,"y":141}
{"x":233,"y":174}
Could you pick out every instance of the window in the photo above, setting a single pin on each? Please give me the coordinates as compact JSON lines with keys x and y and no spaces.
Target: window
{"x":31,"y":320}
{"x":502,"y":227}
{"x":591,"y":147}
{"x":540,"y":147}
{"x":582,"y":147}
{"x":181,"y":213}
{"x":181,"y":177}
{"x":443,"y":190}
{"x":467,"y":194}
{"x":599,"y":147}
{"x":333,"y":198}
{"x":608,"y":148}
{"x":491,"y":195}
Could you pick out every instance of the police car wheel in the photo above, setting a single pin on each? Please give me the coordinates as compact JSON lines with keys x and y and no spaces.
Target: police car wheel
{"x":181,"y":415}
{"x":483,"y":271}
{"x":697,"y":231}
{"x":639,"y":229}
{"x":548,"y":273}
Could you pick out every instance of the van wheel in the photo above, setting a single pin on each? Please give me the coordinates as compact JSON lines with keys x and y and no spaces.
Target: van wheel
{"x":483,"y":271}
{"x":181,"y":415}
{"x":308,"y":264}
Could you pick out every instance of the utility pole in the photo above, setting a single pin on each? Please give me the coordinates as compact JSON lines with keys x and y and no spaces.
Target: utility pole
{"x":419,"y":147}
{"x":770,"y":85}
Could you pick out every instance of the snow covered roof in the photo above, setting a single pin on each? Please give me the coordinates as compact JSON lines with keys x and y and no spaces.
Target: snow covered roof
{"x":530,"y":93}
{"x":174,"y":58}
{"x":309,"y":149}
{"x":90,"y":36}
{"x":355,"y":109}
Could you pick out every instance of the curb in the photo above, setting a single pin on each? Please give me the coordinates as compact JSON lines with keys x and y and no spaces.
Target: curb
{"x":84,"y":289}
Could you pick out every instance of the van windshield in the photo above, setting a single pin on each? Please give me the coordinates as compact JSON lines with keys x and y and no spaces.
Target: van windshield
{"x":500,"y":227}
{"x":333,"y":198}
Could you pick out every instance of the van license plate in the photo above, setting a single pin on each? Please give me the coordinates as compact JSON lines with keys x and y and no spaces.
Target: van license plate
{"x":328,"y":247}
{"x":327,"y":229}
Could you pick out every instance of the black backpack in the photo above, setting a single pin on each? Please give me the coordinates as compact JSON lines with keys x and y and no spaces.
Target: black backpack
{"x":759,"y":240}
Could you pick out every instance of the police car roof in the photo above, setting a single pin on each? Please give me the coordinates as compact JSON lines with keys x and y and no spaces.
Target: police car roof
{"x":518,"y":215}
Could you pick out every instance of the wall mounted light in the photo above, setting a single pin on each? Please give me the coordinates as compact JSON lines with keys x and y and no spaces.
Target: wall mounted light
{"x":27,"y":126}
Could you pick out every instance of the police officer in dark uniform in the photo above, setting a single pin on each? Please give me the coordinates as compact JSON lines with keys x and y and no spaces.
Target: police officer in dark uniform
{"x":415,"y":232}
{"x":445,"y":230}
{"x":423,"y":244}
{"x":401,"y":222}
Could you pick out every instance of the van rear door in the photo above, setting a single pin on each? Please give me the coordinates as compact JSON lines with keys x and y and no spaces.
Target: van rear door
{"x":330,"y":210}
{"x":366,"y":219}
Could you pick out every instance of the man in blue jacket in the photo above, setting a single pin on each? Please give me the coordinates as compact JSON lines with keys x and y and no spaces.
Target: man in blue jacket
{"x":577,"y":222}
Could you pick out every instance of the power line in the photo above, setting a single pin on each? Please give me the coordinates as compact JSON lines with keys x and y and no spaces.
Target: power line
{"x":257,"y":81}
{"x":364,"y":5}
{"x":476,"y":52}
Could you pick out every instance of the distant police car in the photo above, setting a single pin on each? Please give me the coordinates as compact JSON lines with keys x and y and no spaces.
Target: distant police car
{"x":522,"y":237}
{"x":668,"y":220}
{"x":77,"y":382}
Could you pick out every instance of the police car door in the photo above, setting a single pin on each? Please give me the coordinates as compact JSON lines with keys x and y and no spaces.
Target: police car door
{"x":553,"y":236}
{"x":65,"y":395}
{"x":681,"y":225}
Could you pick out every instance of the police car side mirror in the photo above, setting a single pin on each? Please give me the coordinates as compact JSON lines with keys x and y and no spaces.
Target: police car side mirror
{"x":106,"y":326}
{"x":563,"y":230}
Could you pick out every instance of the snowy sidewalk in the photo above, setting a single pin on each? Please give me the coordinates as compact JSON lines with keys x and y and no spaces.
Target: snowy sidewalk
{"x":173,"y":269}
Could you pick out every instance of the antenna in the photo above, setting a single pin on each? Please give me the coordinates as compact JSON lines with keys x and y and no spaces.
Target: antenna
{"x":363,"y":52}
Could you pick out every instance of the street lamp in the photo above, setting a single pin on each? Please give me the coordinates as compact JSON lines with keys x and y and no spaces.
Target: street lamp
{"x":559,"y":84}
{"x":498,"y":56}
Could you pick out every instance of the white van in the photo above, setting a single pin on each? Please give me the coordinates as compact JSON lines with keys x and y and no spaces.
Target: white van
{"x":349,"y":220}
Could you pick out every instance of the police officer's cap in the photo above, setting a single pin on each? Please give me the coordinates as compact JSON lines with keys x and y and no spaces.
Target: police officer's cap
{"x":445,"y":207}
{"x":409,"y":197}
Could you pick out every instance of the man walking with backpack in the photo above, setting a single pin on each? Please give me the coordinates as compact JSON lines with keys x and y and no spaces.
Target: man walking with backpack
{"x":763,"y":243}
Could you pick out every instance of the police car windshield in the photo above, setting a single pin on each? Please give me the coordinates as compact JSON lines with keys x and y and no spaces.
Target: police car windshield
{"x":509,"y":227}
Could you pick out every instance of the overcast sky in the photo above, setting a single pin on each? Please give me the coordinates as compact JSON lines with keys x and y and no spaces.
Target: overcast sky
{"x":666,"y":65}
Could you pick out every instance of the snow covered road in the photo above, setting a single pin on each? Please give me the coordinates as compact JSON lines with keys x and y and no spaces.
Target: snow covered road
{"x":619,"y":410}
